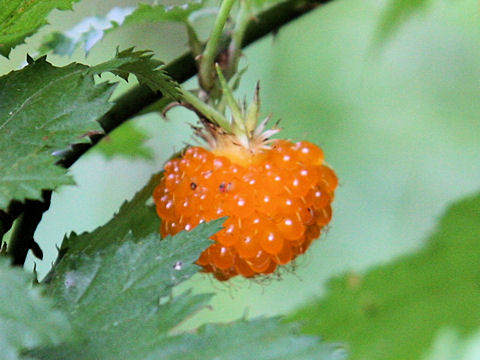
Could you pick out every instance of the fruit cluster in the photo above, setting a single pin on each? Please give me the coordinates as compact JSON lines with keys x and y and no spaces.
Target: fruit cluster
{"x":277,"y":200}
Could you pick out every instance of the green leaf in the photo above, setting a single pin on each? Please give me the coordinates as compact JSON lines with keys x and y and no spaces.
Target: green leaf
{"x":27,"y":319}
{"x":154,"y":13}
{"x":126,"y":141}
{"x":44,"y":109}
{"x":395,"y":14}
{"x":92,"y":29}
{"x":22,"y":18}
{"x":127,"y":277}
{"x":259,"y":339}
{"x":115,"y":294}
{"x":393,"y":311}
{"x":120,"y":299}
{"x":147,"y":70}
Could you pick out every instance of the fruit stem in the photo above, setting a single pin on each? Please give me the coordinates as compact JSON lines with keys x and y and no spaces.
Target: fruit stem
{"x":207,"y":69}
{"x":235,"y":49}
{"x":206,"y":110}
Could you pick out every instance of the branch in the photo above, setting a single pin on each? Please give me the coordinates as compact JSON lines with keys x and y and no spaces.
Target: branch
{"x":22,"y":236}
{"x":133,"y":102}
{"x":184,"y":67}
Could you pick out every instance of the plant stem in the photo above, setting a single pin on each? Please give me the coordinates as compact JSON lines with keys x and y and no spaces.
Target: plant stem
{"x":206,"y":110}
{"x":235,"y":49}
{"x":207,"y":69}
{"x":22,"y":237}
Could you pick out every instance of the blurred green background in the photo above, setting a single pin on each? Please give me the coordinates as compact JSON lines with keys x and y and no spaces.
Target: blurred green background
{"x":398,"y":123}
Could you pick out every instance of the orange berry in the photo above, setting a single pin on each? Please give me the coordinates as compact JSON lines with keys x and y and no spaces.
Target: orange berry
{"x":329,"y":177}
{"x":260,"y":262}
{"x":291,"y":228}
{"x":318,"y":197}
{"x":270,"y":240}
{"x":240,"y":204}
{"x":271,"y":268}
{"x":242,"y":268}
{"x":221,"y":256}
{"x":204,"y":258}
{"x":247,"y":247}
{"x":277,"y":199}
{"x":284,"y":256}
{"x":309,"y":153}
{"x":323,"y":216}
{"x":228,"y":236}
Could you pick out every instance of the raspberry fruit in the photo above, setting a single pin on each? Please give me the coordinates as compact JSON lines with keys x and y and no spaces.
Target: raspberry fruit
{"x":277,"y":199}
{"x":276,"y":194}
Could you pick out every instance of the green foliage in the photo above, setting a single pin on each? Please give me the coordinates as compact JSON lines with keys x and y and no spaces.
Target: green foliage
{"x":114,"y":293}
{"x":147,"y":70}
{"x":393,"y":311}
{"x":92,"y":29}
{"x":115,"y":283}
{"x":154,"y":13}
{"x":120,"y":305}
{"x":127,"y":141}
{"x":22,"y":18}
{"x":57,"y":107}
{"x":27,"y":319}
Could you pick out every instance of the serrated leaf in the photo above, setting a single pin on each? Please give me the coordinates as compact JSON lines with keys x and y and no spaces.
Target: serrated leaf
{"x":259,"y":339}
{"x":124,"y":277}
{"x":114,"y":295}
{"x":118,"y":298}
{"x":393,"y":311}
{"x":92,"y":29}
{"x":27,"y":319}
{"x":145,"y":13}
{"x":395,"y":14}
{"x":127,"y":141}
{"x":147,"y":70}
{"x":22,"y":18}
{"x":44,"y":108}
